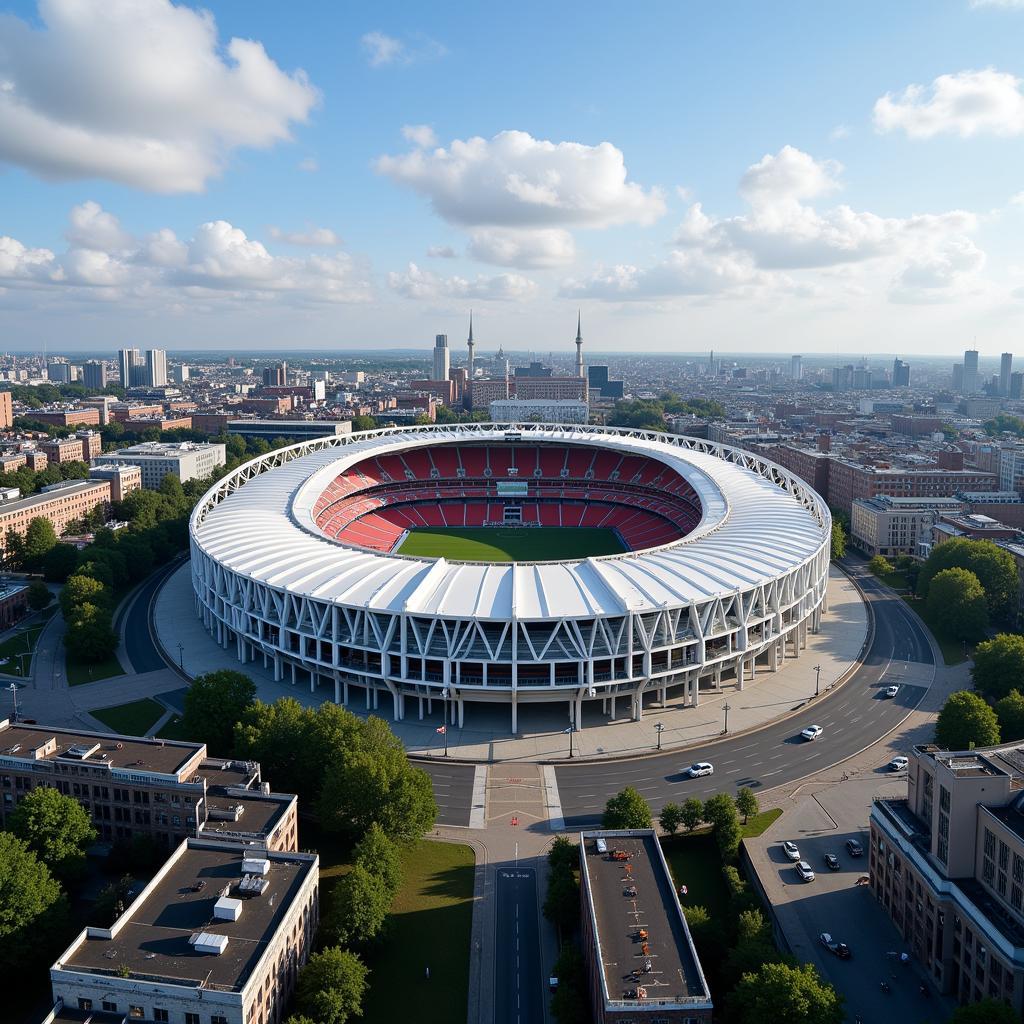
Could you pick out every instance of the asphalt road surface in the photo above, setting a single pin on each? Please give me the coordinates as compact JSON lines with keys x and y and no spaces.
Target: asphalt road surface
{"x":517,"y":977}
{"x":139,"y":645}
{"x":453,"y":790}
{"x":853,"y":717}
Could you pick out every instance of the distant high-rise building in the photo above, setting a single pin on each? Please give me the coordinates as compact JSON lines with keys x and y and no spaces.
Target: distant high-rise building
{"x":94,"y":375}
{"x":842,"y":378}
{"x":275,"y":376}
{"x":958,"y":377}
{"x":1016,"y":385}
{"x":796,"y":368}
{"x":442,"y":358}
{"x":861,"y":378}
{"x":179,"y":374}
{"x":59,"y":373}
{"x":900,"y":374}
{"x":970,"y":383}
{"x":1005,"y":366}
{"x":130,"y":365}
{"x":156,"y":368}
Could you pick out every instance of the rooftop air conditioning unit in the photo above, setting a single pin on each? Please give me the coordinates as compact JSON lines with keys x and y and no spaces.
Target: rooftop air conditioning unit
{"x":207,"y":942}
{"x":255,"y":866}
{"x":227,"y":909}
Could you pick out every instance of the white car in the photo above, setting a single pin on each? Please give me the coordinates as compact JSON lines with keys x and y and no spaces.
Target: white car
{"x":898,"y":764}
{"x":791,"y":850}
{"x":812,"y":732}
{"x":700,"y":769}
{"x":890,"y":691}
{"x":803,"y":869}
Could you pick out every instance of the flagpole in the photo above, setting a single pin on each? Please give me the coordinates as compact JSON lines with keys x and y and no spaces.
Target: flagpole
{"x":446,"y":716}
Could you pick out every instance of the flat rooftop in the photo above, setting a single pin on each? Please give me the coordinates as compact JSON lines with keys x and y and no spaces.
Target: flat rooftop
{"x":64,"y":490}
{"x":153,"y":943}
{"x":128,"y":752}
{"x":254,"y":814}
{"x":675,"y":974}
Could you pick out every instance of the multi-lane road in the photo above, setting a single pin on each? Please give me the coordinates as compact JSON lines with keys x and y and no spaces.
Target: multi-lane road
{"x":517,"y":974}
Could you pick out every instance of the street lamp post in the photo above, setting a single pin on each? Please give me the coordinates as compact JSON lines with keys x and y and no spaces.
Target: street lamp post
{"x":444,"y":694}
{"x":817,"y":680}
{"x":572,"y":723}
{"x":726,"y":707}
{"x":659,"y":727}
{"x":181,"y":656}
{"x":14,"y":693}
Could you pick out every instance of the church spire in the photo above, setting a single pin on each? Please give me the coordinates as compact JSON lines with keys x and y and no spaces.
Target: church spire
{"x":471,"y":345}
{"x":579,"y":343}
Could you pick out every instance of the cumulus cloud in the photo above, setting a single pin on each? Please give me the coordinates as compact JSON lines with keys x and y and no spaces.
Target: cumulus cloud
{"x":416,"y":283}
{"x":141,"y":92}
{"x":939,"y":275}
{"x":516,"y":247}
{"x":421,"y":135}
{"x":313,"y":236}
{"x":441,"y":252}
{"x":383,"y":50}
{"x":966,"y":103}
{"x":220,"y":260}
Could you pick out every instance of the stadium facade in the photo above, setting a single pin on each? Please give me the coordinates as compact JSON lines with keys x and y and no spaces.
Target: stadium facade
{"x":725,"y":567}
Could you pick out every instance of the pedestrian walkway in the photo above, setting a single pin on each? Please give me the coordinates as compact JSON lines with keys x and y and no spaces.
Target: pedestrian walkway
{"x":829,"y":657}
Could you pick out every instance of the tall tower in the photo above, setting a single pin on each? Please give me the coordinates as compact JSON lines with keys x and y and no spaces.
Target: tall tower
{"x":1005,"y":368}
{"x":971,"y":371}
{"x":442,"y":358}
{"x":471,"y":346}
{"x":579,"y":343}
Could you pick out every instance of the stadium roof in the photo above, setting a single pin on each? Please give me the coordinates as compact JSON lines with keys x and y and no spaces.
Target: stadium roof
{"x":752,"y":531}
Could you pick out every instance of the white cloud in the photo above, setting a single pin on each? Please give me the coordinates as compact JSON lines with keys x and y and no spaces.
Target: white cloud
{"x":1011,"y":4}
{"x":515,"y":180}
{"x":941,"y":274}
{"x":441,"y":252}
{"x":382,"y":50}
{"x":966,"y":103}
{"x":416,"y":283}
{"x":512,"y":247}
{"x":421,"y":135}
{"x":841,"y":131}
{"x":314,"y":237}
{"x":1017,"y":199}
{"x":220,"y":262}
{"x":141,"y":92}
{"x":310,"y":165}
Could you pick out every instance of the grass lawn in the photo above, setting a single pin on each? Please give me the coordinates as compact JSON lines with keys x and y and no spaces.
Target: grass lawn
{"x":20,"y":644}
{"x":757,"y":823}
{"x":134,"y":719}
{"x":952,"y":650}
{"x":430,"y":926}
{"x":173,"y":729}
{"x":511,"y":544}
{"x":106,"y":669}
{"x":896,"y":580}
{"x":696,"y":863}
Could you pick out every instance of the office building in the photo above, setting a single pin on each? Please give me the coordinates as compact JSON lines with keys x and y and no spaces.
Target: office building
{"x":483,"y":391}
{"x":640,"y":958}
{"x":442,"y":358}
{"x":600,"y":386}
{"x":900,"y":374}
{"x":796,"y":368}
{"x":94,"y":374}
{"x":519,"y":410}
{"x":60,"y":503}
{"x":299,"y":429}
{"x":890,"y":526}
{"x":1011,"y":469}
{"x":1005,"y":368}
{"x":122,"y":479}
{"x":187,"y":460}
{"x":276,"y":376}
{"x":971,"y":383}
{"x":63,"y":449}
{"x":130,"y":365}
{"x":58,"y":373}
{"x":156,"y":368}
{"x":179,"y":374}
{"x":92,"y":443}
{"x":80,"y":416}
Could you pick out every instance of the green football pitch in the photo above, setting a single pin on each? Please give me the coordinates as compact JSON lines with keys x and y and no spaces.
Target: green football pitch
{"x":511,"y":543}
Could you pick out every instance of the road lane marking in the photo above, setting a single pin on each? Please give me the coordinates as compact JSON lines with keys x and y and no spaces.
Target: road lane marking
{"x":478,"y":808}
{"x":552,"y":801}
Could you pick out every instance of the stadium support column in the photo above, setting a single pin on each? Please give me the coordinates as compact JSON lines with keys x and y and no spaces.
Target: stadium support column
{"x":739,"y":670}
{"x":337,"y":689}
{"x":515,"y":710}
{"x":579,"y":710}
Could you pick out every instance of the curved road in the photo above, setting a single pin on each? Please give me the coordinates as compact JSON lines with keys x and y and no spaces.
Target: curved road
{"x":853,"y":717}
{"x":143,"y":653}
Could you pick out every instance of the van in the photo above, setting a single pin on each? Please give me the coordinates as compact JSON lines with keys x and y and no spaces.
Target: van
{"x":602,"y":846}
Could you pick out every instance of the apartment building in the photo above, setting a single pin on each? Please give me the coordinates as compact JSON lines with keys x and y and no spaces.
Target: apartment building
{"x":63,"y":449}
{"x":187,"y":460}
{"x":895,"y":526}
{"x":6,"y":411}
{"x":78,"y":416}
{"x":947,"y":865}
{"x":92,"y":443}
{"x":60,"y":503}
{"x":167,"y":789}
{"x":122,"y":479}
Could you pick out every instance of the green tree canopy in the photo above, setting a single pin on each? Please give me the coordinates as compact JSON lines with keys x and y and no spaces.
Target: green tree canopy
{"x":81,"y":590}
{"x":357,"y":910}
{"x":39,"y":595}
{"x":379,"y":855}
{"x":781,"y":992}
{"x":331,"y":986}
{"x":880,"y":565}
{"x":40,"y":538}
{"x":693,"y":813}
{"x":1010,"y":712}
{"x":214,"y":703}
{"x":985,"y":1011}
{"x":838,"y":540}
{"x":627,"y":809}
{"x":956,"y":604}
{"x":54,"y":826}
{"x":965,"y":718}
{"x":720,"y":812}
{"x":998,"y":665}
{"x":90,"y":636}
{"x":671,"y":818}
{"x":746,"y":802}
{"x":29,"y":899}
{"x":993,"y":566}
{"x":60,"y":562}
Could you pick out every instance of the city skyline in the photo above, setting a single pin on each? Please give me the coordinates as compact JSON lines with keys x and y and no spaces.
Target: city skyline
{"x":348,"y":190}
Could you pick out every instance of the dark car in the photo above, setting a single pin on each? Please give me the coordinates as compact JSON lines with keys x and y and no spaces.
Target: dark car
{"x":831,"y":862}
{"x":839,"y":949}
{"x":853,"y":848}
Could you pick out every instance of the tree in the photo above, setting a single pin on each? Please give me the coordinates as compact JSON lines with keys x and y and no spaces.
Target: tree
{"x":358,"y":909}
{"x":213,"y":704}
{"x":571,"y":1003}
{"x":956,"y":604}
{"x":562,"y":901}
{"x":39,"y":595}
{"x":627,"y":809}
{"x":113,"y":900}
{"x":671,"y":818}
{"x":998,"y":665}
{"x":985,"y":1011}
{"x":331,"y":986}
{"x":993,"y":566}
{"x":30,"y":898}
{"x":693,"y":813}
{"x":40,"y":538}
{"x":90,"y":636}
{"x":564,"y":853}
{"x":720,"y":812}
{"x":1010,"y":712}
{"x":781,"y":992}
{"x":880,"y":565}
{"x":966,"y":719}
{"x":746,"y":802}
{"x":81,"y":590}
{"x":752,"y":949}
{"x":379,"y":855}
{"x":838,"y":540}
{"x":55,"y":827}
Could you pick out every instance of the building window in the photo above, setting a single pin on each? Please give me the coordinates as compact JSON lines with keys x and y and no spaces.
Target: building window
{"x":85,"y":1004}
{"x":160,"y":1016}
{"x":1018,"y":868}
{"x":942,"y":849}
{"x":191,"y":1018}
{"x":1015,"y":897}
{"x":990,"y":844}
{"x":1004,"y":855}
{"x":136,"y":1011}
{"x":218,"y":1018}
{"x":109,"y":1006}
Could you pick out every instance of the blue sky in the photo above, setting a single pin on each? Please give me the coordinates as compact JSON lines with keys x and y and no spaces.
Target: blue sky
{"x":790,"y":177}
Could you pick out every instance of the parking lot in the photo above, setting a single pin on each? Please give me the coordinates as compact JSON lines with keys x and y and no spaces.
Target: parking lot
{"x":819,"y":824}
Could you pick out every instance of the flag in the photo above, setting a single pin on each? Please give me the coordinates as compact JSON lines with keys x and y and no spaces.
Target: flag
{"x":570,"y":729}
{"x":441,"y":729}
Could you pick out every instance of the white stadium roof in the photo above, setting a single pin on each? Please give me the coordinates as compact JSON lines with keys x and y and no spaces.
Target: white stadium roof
{"x":753,"y":530}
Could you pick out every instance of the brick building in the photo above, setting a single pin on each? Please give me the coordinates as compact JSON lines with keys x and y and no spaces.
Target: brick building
{"x":62,"y":504}
{"x":63,"y":449}
{"x":71,"y":417}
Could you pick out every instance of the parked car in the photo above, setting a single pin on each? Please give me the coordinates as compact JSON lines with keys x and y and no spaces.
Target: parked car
{"x":804,"y":870}
{"x":853,"y":848}
{"x":898,"y":764}
{"x":812,"y":732}
{"x":839,"y":949}
{"x":791,"y":850}
{"x":831,"y":862}
{"x":890,"y":691}
{"x":700,"y":769}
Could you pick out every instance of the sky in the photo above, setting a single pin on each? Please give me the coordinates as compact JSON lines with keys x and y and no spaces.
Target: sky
{"x":788,"y":177}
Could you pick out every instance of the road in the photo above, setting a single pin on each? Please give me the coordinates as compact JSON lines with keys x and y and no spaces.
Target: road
{"x":517,"y":975}
{"x":138,"y":643}
{"x":853,"y":717}
{"x":453,"y":790}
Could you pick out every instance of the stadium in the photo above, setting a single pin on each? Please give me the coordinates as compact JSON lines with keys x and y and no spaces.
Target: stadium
{"x":510,"y":564}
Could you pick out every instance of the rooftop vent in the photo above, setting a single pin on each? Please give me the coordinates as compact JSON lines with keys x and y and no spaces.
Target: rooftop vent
{"x":227,"y":909}
{"x":255,"y":866}
{"x":207,"y":942}
{"x":82,"y":750}
{"x":252,"y":885}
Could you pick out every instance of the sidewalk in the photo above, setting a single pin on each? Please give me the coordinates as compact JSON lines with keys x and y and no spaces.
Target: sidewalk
{"x":486,"y":735}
